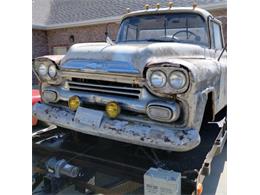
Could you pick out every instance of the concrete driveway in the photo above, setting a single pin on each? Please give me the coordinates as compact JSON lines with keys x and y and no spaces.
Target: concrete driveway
{"x":216,"y":182}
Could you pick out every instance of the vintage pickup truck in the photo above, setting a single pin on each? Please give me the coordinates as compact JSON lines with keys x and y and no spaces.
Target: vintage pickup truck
{"x":155,"y":86}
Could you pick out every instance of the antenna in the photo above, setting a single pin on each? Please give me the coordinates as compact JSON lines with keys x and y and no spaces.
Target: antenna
{"x":106,"y":32}
{"x":108,"y":40}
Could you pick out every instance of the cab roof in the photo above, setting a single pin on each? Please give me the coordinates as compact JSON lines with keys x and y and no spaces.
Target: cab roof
{"x":197,"y":10}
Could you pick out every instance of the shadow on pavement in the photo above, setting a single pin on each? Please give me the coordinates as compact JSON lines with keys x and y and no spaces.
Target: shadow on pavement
{"x":216,"y":183}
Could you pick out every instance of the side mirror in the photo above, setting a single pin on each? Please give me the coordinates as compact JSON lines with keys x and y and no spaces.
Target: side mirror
{"x":225,"y":48}
{"x":108,"y":40}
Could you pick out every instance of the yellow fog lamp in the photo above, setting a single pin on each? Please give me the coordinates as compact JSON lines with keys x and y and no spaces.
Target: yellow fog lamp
{"x":170,"y":4}
{"x":74,"y":103}
{"x":158,"y":5}
{"x":113,"y":109}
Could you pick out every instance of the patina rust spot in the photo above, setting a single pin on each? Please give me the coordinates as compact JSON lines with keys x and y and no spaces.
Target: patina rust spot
{"x":46,"y":111}
{"x":166,"y":139}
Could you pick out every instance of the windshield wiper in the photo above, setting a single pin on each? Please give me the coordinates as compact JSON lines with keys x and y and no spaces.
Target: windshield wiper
{"x":160,"y":40}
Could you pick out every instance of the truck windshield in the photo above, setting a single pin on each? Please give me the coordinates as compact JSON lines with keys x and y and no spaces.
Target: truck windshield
{"x":177,"y":27}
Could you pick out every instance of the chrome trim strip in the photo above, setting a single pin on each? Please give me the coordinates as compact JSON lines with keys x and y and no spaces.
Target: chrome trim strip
{"x":131,"y":104}
{"x":104,"y":86}
{"x":100,"y":66}
{"x":102,"y":90}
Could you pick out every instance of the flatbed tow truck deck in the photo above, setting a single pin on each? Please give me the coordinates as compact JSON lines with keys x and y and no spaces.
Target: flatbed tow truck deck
{"x":128,"y":162}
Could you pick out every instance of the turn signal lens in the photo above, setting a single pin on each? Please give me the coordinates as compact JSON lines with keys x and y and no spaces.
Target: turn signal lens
{"x":113,"y":109}
{"x":74,"y":103}
{"x":199,"y":189}
{"x":49,"y":96}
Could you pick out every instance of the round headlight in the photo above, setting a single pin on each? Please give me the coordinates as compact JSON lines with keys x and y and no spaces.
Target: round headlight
{"x":42,"y":70}
{"x":158,"y":79}
{"x":177,"y":80}
{"x":52,"y":71}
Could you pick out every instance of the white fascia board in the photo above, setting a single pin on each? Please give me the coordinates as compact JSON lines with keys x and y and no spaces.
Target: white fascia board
{"x":115,"y":19}
{"x":78,"y":24}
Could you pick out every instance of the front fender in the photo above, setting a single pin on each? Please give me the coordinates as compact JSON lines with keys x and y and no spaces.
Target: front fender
{"x":205,"y":77}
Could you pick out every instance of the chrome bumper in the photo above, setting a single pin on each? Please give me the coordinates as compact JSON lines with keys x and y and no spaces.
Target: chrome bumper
{"x":123,"y":130}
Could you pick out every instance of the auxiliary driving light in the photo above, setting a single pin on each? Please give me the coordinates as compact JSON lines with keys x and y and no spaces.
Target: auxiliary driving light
{"x":113,"y":109}
{"x":74,"y":103}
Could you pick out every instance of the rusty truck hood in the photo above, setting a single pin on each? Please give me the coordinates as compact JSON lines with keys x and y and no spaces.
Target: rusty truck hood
{"x":128,"y":58}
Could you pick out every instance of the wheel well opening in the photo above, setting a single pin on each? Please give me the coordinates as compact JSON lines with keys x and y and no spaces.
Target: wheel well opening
{"x":209,"y":108}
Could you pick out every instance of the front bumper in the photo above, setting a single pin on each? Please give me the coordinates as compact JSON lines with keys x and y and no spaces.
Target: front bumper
{"x":123,"y":130}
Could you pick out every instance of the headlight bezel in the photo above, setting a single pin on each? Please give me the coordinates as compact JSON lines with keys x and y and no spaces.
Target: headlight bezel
{"x":42,"y":61}
{"x":167,"y":89}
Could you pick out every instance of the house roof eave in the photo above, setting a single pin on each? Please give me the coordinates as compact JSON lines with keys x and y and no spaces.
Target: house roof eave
{"x":114,"y":19}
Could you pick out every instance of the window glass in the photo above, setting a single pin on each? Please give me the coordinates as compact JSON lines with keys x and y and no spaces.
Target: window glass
{"x":131,"y":32}
{"x":177,"y":27}
{"x":216,"y":36}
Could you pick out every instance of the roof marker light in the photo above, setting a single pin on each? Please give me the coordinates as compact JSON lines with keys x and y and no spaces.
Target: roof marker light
{"x":170,"y":4}
{"x":194,"y":5}
{"x":146,"y":7}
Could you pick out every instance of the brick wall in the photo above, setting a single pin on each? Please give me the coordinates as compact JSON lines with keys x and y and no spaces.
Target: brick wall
{"x":44,"y":41}
{"x":39,"y":47}
{"x":39,"y":43}
{"x":95,"y":33}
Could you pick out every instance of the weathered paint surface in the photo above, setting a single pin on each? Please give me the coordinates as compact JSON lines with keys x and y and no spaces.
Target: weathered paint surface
{"x":135,"y":54}
{"x":55,"y":58}
{"x":206,"y":73}
{"x":124,"y":130}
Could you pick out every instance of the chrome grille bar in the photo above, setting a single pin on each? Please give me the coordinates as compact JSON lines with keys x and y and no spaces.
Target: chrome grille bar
{"x":108,"y":88}
{"x":104,"y":86}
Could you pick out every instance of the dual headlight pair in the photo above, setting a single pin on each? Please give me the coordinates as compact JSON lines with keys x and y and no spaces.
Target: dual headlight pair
{"x":168,"y":79}
{"x":51,"y":70}
{"x":177,"y":79}
{"x":45,"y":69}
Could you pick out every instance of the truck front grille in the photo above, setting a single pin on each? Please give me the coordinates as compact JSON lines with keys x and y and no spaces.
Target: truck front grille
{"x":105,"y":87}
